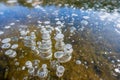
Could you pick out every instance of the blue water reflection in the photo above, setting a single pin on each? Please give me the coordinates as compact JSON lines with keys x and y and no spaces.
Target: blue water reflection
{"x":100,"y":22}
{"x":43,"y":13}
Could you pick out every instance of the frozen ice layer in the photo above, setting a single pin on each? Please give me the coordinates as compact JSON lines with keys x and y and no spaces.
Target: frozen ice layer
{"x":14,"y":46}
{"x":28,"y":64}
{"x":6,"y":40}
{"x":11,"y":53}
{"x":6,"y":46}
{"x":60,"y":71}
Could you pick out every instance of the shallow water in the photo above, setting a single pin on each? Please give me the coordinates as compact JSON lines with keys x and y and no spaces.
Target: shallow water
{"x":94,"y":34}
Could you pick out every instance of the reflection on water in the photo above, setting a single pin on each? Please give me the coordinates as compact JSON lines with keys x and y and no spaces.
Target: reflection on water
{"x":94,"y":34}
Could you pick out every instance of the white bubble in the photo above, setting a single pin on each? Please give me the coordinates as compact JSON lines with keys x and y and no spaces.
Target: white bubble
{"x":78,"y":62}
{"x":117,"y":70}
{"x":7,"y":27}
{"x":6,"y":40}
{"x":6,"y":46}
{"x":14,"y":46}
